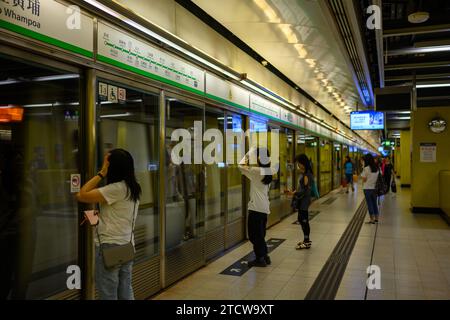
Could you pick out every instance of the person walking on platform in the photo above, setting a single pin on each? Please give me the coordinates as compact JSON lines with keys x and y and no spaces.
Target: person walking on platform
{"x":349,"y":170}
{"x":388,"y":173}
{"x":369,"y":177}
{"x":119,"y":204}
{"x":302,"y":199}
{"x":260,"y":177}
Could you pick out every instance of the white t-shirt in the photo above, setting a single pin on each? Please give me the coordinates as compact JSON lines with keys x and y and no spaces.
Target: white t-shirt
{"x":116,"y":215}
{"x":371,"y":178}
{"x":259,"y":192}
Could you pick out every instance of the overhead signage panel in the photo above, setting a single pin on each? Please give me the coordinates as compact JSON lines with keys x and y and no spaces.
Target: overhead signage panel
{"x":51,"y":22}
{"x":226,"y":92}
{"x":125,"y":51}
{"x":264,"y":106}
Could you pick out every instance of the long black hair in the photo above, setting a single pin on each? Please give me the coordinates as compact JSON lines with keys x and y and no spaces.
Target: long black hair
{"x":370,"y":161}
{"x":264,"y":152}
{"x":121,"y":168}
{"x":303,"y":160}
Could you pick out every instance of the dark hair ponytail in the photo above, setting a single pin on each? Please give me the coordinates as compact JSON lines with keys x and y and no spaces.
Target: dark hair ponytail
{"x":263,"y":151}
{"x":370,"y":161}
{"x":121,"y":168}
{"x":303,"y":160}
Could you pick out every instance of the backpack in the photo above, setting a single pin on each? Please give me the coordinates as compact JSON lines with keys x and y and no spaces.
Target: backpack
{"x":314,"y":190}
{"x":380,"y":186}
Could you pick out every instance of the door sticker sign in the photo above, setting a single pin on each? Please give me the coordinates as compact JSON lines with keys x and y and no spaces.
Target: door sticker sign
{"x":112,"y":94}
{"x":122,"y":94}
{"x":75,"y":181}
{"x":103,"y":90}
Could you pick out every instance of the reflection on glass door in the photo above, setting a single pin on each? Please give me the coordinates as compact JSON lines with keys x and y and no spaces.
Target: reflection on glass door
{"x":131,"y":123}
{"x":39,"y":113}
{"x":274,"y":193}
{"x":286,"y":169}
{"x":214,"y":195}
{"x":184,"y":181}
{"x":337,"y":165}
{"x":325,"y":167}
{"x":311,"y":151}
{"x":235,"y":151}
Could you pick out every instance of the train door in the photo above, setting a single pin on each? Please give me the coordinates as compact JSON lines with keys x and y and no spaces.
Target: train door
{"x":275,"y":187}
{"x":128,"y":118}
{"x":39,"y":173}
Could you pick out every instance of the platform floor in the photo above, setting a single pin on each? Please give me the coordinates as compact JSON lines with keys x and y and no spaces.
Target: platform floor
{"x":412,"y":251}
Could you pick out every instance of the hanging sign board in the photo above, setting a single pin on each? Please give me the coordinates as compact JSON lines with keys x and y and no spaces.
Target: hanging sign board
{"x":51,"y":22}
{"x":123,"y":50}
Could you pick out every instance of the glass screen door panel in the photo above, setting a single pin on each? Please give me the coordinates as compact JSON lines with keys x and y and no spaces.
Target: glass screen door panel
{"x":132,"y":124}
{"x":325,"y":166}
{"x":39,"y":151}
{"x":235,"y":152}
{"x":214,"y":200}
{"x":184,"y":181}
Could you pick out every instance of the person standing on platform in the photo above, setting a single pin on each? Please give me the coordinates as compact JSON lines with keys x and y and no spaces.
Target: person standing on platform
{"x":119,"y":205}
{"x":389,"y":173}
{"x":369,"y":177}
{"x":302,"y":199}
{"x":260,"y":177}
{"x":349,"y":171}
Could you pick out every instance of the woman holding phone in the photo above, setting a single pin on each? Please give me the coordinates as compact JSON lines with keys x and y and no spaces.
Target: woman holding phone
{"x":119,"y":203}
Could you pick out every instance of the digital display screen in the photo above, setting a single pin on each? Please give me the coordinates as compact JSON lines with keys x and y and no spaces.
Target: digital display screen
{"x":367,"y":120}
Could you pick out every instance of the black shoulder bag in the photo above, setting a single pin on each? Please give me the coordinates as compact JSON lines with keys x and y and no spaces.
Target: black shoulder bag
{"x":118,"y":255}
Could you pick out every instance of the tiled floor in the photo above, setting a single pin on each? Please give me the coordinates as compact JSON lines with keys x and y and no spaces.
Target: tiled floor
{"x":412,"y":251}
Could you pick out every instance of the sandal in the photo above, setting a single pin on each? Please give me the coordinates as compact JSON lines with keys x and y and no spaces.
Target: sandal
{"x":303,"y":245}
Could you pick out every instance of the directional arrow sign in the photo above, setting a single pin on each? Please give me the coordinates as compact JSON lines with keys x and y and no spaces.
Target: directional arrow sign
{"x":235,"y":270}
{"x":244,"y":262}
{"x":269,"y":245}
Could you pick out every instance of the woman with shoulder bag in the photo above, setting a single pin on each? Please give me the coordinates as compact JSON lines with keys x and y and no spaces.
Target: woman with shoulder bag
{"x":119,"y":203}
{"x":369,"y":177}
{"x":302,"y":199}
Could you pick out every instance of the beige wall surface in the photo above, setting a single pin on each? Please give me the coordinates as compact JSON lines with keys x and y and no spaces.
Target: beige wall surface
{"x":425,"y":180}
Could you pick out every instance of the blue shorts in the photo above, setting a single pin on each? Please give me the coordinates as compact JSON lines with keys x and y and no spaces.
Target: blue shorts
{"x":349,"y":178}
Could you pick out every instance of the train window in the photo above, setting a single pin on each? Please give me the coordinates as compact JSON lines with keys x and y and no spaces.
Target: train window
{"x":128,"y":119}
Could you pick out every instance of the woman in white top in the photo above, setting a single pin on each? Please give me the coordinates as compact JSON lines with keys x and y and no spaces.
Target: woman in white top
{"x":119,"y":203}
{"x":369,"y":177}
{"x":260,"y":176}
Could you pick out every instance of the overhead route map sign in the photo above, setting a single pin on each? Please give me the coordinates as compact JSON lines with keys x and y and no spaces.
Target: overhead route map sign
{"x":122,"y":50}
{"x":264,"y":106}
{"x":49,"y":21}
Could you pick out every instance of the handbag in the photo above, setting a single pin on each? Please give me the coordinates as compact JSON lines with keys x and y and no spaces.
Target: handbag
{"x":394,"y":186}
{"x":380,"y":186}
{"x":119,"y":254}
{"x":297,"y":199}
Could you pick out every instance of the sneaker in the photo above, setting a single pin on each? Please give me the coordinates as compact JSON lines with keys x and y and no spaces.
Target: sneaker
{"x":267,"y":259}
{"x":257,"y":263}
{"x":303,"y":245}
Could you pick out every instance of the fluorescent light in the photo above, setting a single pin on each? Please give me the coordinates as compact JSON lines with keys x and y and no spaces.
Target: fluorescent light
{"x":400,"y":118}
{"x":37,"y":105}
{"x":116,"y":115}
{"x":9,"y":81}
{"x":56,"y":77}
{"x":433,"y":85}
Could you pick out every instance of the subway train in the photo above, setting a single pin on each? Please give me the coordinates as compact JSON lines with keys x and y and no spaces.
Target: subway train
{"x":62,"y":108}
